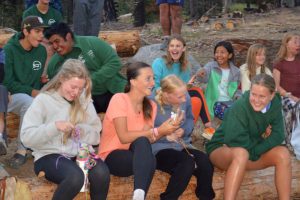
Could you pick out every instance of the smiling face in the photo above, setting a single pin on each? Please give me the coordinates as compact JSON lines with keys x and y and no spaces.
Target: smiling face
{"x":260,"y":57}
{"x":293,"y":45}
{"x":61,"y":45}
{"x":260,"y":97}
{"x":177,"y":97}
{"x":176,"y":49}
{"x":222,"y":56}
{"x":34,"y":36}
{"x":72,"y":88}
{"x":144,"y":82}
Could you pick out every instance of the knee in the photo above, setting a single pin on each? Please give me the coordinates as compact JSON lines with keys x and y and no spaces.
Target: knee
{"x":188,"y":165}
{"x":283,"y":156}
{"x":75,"y":180}
{"x":142,"y":141}
{"x":239,"y":155}
{"x":100,"y":172}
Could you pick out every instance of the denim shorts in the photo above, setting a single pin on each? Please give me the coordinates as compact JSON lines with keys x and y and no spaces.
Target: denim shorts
{"x":176,"y":2}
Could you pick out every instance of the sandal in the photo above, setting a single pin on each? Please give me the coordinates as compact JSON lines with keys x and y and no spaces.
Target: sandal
{"x":17,"y":160}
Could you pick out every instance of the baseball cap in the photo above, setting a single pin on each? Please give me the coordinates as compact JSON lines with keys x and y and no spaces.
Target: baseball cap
{"x":31,"y":22}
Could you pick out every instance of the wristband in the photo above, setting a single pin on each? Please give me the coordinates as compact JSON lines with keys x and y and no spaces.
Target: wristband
{"x":287,"y":94}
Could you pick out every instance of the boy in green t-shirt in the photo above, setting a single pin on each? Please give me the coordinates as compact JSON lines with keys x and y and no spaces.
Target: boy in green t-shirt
{"x":43,"y":10}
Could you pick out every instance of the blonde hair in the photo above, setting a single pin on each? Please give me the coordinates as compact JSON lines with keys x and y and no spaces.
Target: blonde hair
{"x":282,"y":53}
{"x":183,"y":59}
{"x":168,"y":85}
{"x":70,"y":69}
{"x":251,"y":59}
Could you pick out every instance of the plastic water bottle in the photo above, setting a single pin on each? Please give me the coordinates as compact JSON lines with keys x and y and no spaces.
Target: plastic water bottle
{"x":81,"y":159}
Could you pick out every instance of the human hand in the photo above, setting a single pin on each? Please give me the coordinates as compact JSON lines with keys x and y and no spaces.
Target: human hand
{"x":267,"y":132}
{"x":34,"y":93}
{"x":49,"y":48}
{"x":44,"y":78}
{"x":66,"y":127}
{"x":167,"y":127}
{"x":176,"y":135}
{"x":201,"y":73}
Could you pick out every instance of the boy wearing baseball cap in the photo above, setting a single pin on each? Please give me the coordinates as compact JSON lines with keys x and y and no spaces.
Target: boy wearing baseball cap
{"x":25,"y":59}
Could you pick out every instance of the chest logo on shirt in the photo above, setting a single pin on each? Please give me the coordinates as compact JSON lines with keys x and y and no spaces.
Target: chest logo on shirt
{"x":80,"y":57}
{"x":91,"y":53}
{"x":36,"y":65}
{"x":51,"y":21}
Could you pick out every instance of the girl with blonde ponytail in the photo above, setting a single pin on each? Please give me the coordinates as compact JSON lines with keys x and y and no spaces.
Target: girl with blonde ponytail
{"x":174,"y":153}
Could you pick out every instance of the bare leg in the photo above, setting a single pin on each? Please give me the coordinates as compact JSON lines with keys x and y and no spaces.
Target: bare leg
{"x":164,"y":16}
{"x":1,"y":122}
{"x":234,"y":161}
{"x":280,"y":158}
{"x":176,"y":18}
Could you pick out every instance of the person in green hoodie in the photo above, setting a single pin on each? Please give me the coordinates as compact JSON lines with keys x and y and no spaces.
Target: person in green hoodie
{"x":250,"y":138}
{"x":99,"y":57}
{"x":45,"y":11}
{"x":25,"y":59}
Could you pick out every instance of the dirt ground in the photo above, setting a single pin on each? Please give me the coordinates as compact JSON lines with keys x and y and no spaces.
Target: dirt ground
{"x":200,"y":39}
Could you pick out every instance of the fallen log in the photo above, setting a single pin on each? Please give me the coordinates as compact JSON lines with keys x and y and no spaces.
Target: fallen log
{"x":127,"y":42}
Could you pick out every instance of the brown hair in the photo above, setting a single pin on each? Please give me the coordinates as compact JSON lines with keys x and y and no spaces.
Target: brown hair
{"x":264,"y":80}
{"x":183,"y":59}
{"x":251,"y":59}
{"x":133,"y":71}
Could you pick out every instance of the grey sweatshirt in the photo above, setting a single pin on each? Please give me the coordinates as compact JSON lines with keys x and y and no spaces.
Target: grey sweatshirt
{"x":39,"y":132}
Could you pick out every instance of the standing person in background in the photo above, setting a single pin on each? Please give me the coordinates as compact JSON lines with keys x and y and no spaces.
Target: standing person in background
{"x":222,"y":78}
{"x":175,"y":62}
{"x":61,"y":118}
{"x":87,"y":16}
{"x":244,"y":142}
{"x":56,"y":4}
{"x":175,"y":153}
{"x":25,"y":59}
{"x":170,"y":12}
{"x":128,"y":129}
{"x":43,"y":10}
{"x":99,"y":57}
{"x":255,"y":64}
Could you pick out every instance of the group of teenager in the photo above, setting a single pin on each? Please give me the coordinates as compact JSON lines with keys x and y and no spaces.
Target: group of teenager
{"x":150,"y":114}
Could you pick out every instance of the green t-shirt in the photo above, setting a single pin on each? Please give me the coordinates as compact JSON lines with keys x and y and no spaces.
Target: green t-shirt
{"x":243,"y":127}
{"x":49,"y":18}
{"x":100,"y":59}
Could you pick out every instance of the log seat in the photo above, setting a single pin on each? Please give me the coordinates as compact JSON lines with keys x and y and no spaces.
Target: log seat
{"x":256,"y":185}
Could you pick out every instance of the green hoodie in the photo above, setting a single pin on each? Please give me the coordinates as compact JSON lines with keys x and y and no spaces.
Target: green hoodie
{"x":23,"y":69}
{"x":244,"y":127}
{"x":100,"y":59}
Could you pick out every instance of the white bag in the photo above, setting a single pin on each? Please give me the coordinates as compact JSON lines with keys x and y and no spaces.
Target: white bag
{"x":295,"y":138}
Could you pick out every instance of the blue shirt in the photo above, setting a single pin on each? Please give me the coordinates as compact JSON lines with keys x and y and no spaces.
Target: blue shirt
{"x":161,"y":70}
